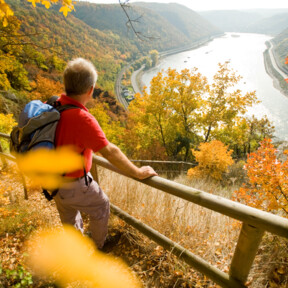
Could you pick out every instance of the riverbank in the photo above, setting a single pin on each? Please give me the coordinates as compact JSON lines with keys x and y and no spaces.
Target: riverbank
{"x":278,"y":81}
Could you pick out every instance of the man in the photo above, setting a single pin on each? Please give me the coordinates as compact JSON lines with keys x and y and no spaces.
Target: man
{"x":77,"y":127}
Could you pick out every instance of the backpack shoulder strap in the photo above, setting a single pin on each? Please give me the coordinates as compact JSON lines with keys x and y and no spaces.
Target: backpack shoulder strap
{"x":57,"y":105}
{"x":62,"y":108}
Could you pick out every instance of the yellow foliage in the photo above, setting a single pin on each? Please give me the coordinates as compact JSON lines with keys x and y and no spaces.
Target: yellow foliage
{"x":112,"y":128}
{"x":44,"y":88}
{"x":213,"y":160}
{"x":6,"y":123}
{"x":6,"y":11}
{"x":68,"y":256}
{"x":45,"y":167}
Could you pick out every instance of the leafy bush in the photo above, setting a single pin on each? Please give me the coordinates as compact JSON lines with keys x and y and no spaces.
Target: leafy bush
{"x":213,"y":160}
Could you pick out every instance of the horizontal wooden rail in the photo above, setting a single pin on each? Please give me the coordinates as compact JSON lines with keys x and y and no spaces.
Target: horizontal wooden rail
{"x":164,"y":162}
{"x":4,"y":135}
{"x":264,"y":220}
{"x":198,"y":263}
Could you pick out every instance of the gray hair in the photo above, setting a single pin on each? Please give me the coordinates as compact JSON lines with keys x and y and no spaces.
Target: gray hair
{"x":79,"y":76}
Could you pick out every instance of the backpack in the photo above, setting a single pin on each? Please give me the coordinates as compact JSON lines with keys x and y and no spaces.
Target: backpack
{"x":36,"y":128}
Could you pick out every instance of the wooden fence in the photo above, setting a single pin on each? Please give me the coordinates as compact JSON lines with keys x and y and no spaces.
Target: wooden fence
{"x":254,"y":224}
{"x":170,"y":169}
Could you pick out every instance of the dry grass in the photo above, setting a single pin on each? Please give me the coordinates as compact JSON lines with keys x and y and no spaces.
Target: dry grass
{"x":207,"y":234}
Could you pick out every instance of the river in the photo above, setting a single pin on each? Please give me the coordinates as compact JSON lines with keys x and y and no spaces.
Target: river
{"x":245,"y":54}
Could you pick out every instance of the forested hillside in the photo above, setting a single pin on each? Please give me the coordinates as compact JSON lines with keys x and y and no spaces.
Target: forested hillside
{"x":169,"y":25}
{"x":37,"y":43}
{"x":190,"y":23}
{"x":35,"y":47}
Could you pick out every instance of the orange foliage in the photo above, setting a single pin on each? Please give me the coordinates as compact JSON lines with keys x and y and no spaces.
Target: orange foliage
{"x":267,"y":188}
{"x":213,"y":160}
{"x":44,"y":88}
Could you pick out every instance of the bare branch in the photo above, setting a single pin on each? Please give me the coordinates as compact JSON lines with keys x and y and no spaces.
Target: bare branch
{"x":130,"y":23}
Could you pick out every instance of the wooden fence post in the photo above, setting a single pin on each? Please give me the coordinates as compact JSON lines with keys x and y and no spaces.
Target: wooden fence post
{"x":24,"y":186}
{"x":245,"y":252}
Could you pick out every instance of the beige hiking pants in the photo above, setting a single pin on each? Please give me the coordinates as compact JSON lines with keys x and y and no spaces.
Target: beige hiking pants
{"x":77,"y":197}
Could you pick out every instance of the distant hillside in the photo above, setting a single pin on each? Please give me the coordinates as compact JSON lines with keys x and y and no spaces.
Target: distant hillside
{"x":280,"y":43}
{"x":170,"y":25}
{"x":190,"y":23}
{"x":264,"y":21}
{"x":271,"y":25}
{"x":231,"y":20}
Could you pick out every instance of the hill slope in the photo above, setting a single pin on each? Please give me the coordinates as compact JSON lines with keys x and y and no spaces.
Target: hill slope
{"x":271,"y":21}
{"x":231,"y":20}
{"x":190,"y":23}
{"x":70,"y":37}
{"x":171,"y":25}
{"x":271,"y":25}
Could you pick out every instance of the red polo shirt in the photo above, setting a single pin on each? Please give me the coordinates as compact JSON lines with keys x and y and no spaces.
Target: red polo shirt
{"x":77,"y":127}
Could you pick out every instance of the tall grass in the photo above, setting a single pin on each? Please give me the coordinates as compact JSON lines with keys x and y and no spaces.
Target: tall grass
{"x":202,"y":231}
{"x":206,"y":233}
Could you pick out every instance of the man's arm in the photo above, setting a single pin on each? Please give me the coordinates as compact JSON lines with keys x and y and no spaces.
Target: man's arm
{"x":116,"y":157}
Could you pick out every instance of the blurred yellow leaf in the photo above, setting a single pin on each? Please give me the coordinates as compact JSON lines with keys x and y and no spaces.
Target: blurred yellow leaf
{"x":65,"y":10}
{"x":46,"y":167}
{"x":68,"y":256}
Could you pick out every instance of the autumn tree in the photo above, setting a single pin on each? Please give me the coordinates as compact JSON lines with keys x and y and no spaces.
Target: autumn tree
{"x":43,"y":88}
{"x":12,"y":72}
{"x":7,"y":122}
{"x":267,"y":186}
{"x":213,"y":160}
{"x":113,"y":129}
{"x":182,"y":110}
{"x":167,"y":112}
{"x":244,"y":134}
{"x":223,"y":103}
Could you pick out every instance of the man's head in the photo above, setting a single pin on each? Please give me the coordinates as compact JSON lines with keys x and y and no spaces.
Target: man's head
{"x":79,"y":76}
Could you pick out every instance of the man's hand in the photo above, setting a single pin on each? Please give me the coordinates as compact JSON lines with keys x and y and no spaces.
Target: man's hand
{"x":115,"y":156}
{"x":146,"y":172}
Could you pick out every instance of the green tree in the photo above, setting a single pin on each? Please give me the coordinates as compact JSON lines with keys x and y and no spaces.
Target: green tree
{"x":154,"y":54}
